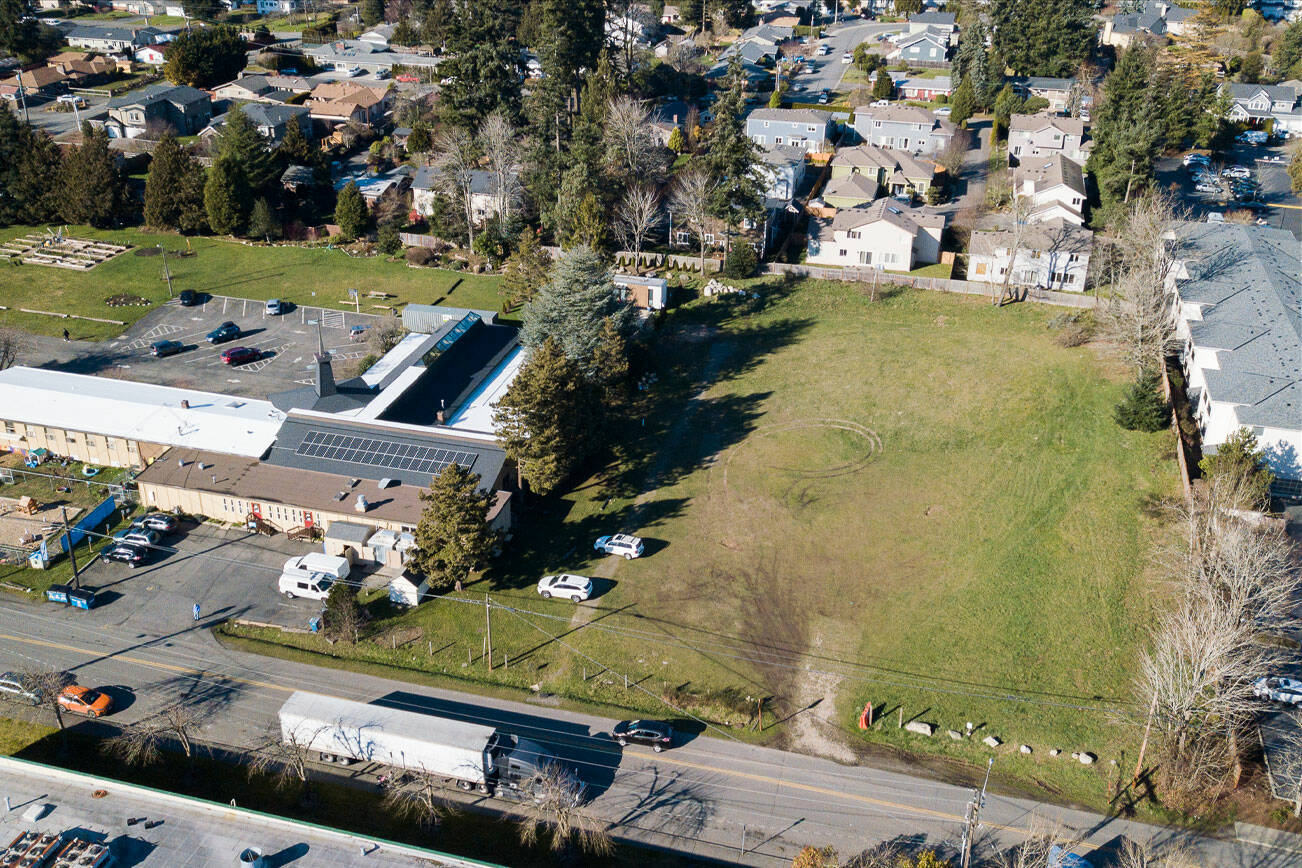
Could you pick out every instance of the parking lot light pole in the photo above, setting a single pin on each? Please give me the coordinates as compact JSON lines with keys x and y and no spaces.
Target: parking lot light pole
{"x":167,"y":272}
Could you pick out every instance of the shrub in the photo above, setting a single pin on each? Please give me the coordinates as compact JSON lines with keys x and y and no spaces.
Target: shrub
{"x":1143,"y":408}
{"x":740,"y":261}
{"x":387,"y":239}
{"x":1239,"y":458}
{"x":422,"y":256}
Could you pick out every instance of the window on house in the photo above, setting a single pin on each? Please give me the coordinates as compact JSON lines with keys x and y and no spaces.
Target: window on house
{"x":777,"y":140}
{"x":709,"y":238}
{"x":865,"y":257}
{"x":1071,"y":278}
{"x":9,"y":428}
{"x":980,"y":268}
{"x":844,"y":252}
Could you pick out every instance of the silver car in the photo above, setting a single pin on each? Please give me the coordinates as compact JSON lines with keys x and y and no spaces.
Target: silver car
{"x":13,"y":687}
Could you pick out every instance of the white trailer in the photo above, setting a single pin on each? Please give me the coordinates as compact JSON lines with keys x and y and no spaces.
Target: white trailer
{"x":470,"y":754}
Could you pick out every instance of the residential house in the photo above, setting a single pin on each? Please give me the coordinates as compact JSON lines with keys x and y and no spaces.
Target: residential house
{"x":112,"y":39}
{"x":884,"y":235}
{"x":270,"y":119}
{"x":1258,"y":104}
{"x":754,"y":53}
{"x":338,"y":102}
{"x":485,"y":201}
{"x":82,"y":67}
{"x":298,"y":179}
{"x":782,"y":168}
{"x":926,"y":89}
{"x":279,"y":7}
{"x":643,"y":293}
{"x":183,"y":109}
{"x":893,"y":171}
{"x":1052,"y":187}
{"x":756,"y":76}
{"x":344,"y":54}
{"x":255,"y":88}
{"x":1155,"y":18}
{"x":1054,"y":254}
{"x":151,"y":55}
{"x":1044,"y":134}
{"x":668,"y":117}
{"x":1279,"y":10}
{"x":634,"y":24}
{"x":928,"y":48}
{"x":1058,"y":91}
{"x":807,"y":129}
{"x":767,"y":34}
{"x":671,"y":14}
{"x":43,"y":82}
{"x":905,"y":127}
{"x":942,"y":22}
{"x":851,"y":191}
{"x":1239,"y":291}
{"x":380,"y":35}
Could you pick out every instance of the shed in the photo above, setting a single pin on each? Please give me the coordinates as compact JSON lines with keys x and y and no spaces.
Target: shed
{"x":647,"y":293}
{"x":407,"y":590}
{"x":349,"y":539}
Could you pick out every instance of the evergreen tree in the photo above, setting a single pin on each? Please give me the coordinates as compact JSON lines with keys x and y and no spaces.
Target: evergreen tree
{"x":572,"y":306}
{"x":90,"y":187}
{"x":610,"y":364}
{"x":1043,"y":37}
{"x":453,"y":537}
{"x":227,"y":197}
{"x":1251,"y":68}
{"x":343,"y":617}
{"x":295,"y":148}
{"x":404,"y":34}
{"x":738,"y":13}
{"x":1239,"y":458}
{"x":1007,"y":104}
{"x":419,"y":141}
{"x":262,"y":221}
{"x":351,"y":213}
{"x":167,"y":190}
{"x":1129,"y":129}
{"x":481,"y":65}
{"x":203,"y":57}
{"x":908,"y":7}
{"x":1286,"y":53}
{"x":574,"y":35}
{"x":240,"y":142}
{"x":1214,"y":130}
{"x":546,"y":418}
{"x":883,"y":87}
{"x":677,"y":141}
{"x":435,"y":21}
{"x":372,"y":12}
{"x":525,"y":271}
{"x":23,"y":35}
{"x":732,"y":158}
{"x":203,"y":10}
{"x":1143,"y":408}
{"x":589,"y":228}
{"x":972,"y":61}
{"x":193,"y":216}
{"x":29,"y":173}
{"x":1295,"y":169}
{"x":961,"y":103}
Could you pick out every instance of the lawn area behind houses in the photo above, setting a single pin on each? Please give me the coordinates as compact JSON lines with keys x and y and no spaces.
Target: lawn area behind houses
{"x":922,"y":502}
{"x":315,"y":276}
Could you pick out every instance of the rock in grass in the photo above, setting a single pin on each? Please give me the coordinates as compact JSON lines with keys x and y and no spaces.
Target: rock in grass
{"x":992,"y":741}
{"x":920,"y":728}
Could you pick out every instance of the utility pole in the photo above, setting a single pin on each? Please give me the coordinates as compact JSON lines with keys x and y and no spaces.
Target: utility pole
{"x":488,"y":626}
{"x":1139,"y":764}
{"x":72,"y":550}
{"x":973,"y":817}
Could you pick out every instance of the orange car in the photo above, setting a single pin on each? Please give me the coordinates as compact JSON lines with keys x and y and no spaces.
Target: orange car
{"x":83,"y":700}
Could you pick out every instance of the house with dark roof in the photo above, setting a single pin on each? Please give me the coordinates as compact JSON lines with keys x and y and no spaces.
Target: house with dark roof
{"x":1057,"y":91}
{"x":929,"y":47}
{"x":255,"y":88}
{"x":944,"y":22}
{"x":1239,"y":320}
{"x":485,"y":198}
{"x":1153,"y":19}
{"x":183,"y":109}
{"x":1052,"y":187}
{"x":807,"y":129}
{"x":884,"y":235}
{"x":112,"y":39}
{"x":1255,"y":104}
{"x":270,"y":119}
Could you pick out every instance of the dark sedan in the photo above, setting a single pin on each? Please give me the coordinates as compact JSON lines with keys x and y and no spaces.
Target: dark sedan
{"x":189,"y":298}
{"x":655,"y":734}
{"x":132,"y":556}
{"x":227,"y":331}
{"x":240,"y":355}
{"x":157,"y":521}
{"x":166,"y":348}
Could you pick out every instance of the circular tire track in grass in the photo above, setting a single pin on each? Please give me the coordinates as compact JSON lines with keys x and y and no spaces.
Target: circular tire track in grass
{"x":871,"y":441}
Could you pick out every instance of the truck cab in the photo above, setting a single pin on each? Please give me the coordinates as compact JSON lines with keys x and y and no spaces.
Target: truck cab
{"x":515,"y":764}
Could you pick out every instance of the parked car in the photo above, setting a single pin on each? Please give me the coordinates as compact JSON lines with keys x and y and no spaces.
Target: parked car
{"x":357,"y":333}
{"x":407,"y":78}
{"x":381,"y":74}
{"x":139,"y":536}
{"x":188,"y":298}
{"x":847,"y":58}
{"x":158,"y":521}
{"x":655,"y":734}
{"x":1275,"y":689}
{"x":577,"y":588}
{"x":353,"y":71}
{"x":13,"y":686}
{"x":620,"y":544}
{"x":72,"y":99}
{"x":823,"y":96}
{"x":227,"y":331}
{"x":1197,"y":159}
{"x":165,"y":348}
{"x":125,"y":553}
{"x":82,"y":700}
{"x":240,"y":355}
{"x":1236,"y":172}
{"x":823,"y":50}
{"x":274,"y":307}
{"x":942,"y":111}
{"x":1207,"y":188}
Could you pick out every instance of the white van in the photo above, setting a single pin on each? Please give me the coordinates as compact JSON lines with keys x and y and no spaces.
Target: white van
{"x":300,"y":583}
{"x":318,"y":562}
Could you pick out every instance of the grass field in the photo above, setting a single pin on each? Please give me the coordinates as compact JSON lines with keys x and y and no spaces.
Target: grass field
{"x":15,"y":735}
{"x":316,"y":276}
{"x":922,"y":502}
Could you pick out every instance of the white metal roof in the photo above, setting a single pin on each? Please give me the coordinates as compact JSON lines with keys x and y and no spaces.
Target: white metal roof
{"x":476,"y":415}
{"x":138,"y":411}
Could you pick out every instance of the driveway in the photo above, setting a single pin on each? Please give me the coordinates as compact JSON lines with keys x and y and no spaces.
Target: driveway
{"x":286,"y":344}
{"x":828,"y":69}
{"x":44,"y":116}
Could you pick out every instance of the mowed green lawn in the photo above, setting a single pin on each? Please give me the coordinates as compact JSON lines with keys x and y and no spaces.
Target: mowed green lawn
{"x":922,"y":502}
{"x":308,"y":276}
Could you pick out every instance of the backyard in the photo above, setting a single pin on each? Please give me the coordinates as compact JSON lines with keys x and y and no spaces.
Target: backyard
{"x":218,"y":267}
{"x":920,"y":502}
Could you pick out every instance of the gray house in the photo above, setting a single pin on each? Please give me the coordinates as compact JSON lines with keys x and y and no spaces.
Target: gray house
{"x":929,"y":47}
{"x":807,"y":129}
{"x":271,"y":120}
{"x":184,"y":109}
{"x":905,"y":127}
{"x":111,"y":39}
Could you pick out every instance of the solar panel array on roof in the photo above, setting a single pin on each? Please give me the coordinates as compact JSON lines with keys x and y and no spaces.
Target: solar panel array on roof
{"x":377,"y":452}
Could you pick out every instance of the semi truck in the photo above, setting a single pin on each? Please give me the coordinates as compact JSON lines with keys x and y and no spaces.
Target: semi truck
{"x":471,"y":755}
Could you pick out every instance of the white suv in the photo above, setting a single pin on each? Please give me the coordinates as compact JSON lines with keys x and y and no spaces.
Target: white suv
{"x":1285,"y":690}
{"x":620,"y":544}
{"x":577,"y":588}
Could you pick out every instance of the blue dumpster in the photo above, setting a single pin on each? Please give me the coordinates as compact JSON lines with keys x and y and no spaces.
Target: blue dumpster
{"x":81,"y":599}
{"x":57,"y":593}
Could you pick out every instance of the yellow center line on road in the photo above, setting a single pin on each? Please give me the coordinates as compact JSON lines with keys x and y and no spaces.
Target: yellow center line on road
{"x":750,"y":776}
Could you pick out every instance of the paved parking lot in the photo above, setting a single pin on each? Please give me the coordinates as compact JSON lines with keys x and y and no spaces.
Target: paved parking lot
{"x":228,"y":572}
{"x":286,"y":344}
{"x":1284,"y":207}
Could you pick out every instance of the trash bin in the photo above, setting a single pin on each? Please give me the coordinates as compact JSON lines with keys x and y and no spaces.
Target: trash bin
{"x":81,"y":599}
{"x":57,"y":593}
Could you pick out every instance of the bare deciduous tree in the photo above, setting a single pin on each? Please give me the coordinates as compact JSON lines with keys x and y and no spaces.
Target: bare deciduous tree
{"x":419,"y":796}
{"x":45,"y":685}
{"x":500,"y":142}
{"x":1019,"y":219}
{"x":284,"y":760}
{"x":691,"y":200}
{"x":141,"y":743}
{"x":455,"y":160}
{"x":1287,"y":761}
{"x":636,"y":216}
{"x":951,"y":158}
{"x":557,"y":816}
{"x":12,"y":343}
{"x":631,"y":144}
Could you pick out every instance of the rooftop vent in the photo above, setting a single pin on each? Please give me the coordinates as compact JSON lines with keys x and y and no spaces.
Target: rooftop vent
{"x":341,"y":495}
{"x":361,"y":505}
{"x":385,"y":482}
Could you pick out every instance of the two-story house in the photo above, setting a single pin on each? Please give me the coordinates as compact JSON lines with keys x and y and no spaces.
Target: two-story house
{"x":781,"y":169}
{"x":485,"y":199}
{"x":1042,"y":135}
{"x":885,"y":235}
{"x":1238,"y":290}
{"x":183,"y":109}
{"x":807,"y":129}
{"x":941,"y":22}
{"x":891,"y":172}
{"x":1052,"y":187}
{"x":927,"y":48}
{"x":905,"y":127}
{"x":254,"y":88}
{"x":338,"y":102}
{"x":271,"y":121}
{"x":1258,"y":103}
{"x":1154,"y":18}
{"x":1054,"y":254}
{"x":1058,"y":91}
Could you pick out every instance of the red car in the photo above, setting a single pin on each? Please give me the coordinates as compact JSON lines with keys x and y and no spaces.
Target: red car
{"x":407,"y":78}
{"x":239,"y":355}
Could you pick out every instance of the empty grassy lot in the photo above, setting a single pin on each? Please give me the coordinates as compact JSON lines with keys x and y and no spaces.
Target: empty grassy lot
{"x":316,"y":276}
{"x":920,"y":502}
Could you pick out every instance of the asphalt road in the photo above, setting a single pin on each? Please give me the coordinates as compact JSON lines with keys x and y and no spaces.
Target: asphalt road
{"x":713,"y":797}
{"x":840,"y":38}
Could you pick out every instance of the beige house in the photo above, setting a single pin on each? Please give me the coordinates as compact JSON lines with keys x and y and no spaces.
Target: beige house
{"x":338,"y":102}
{"x":885,"y":235}
{"x":894,"y":171}
{"x":1053,"y":187}
{"x":1044,"y":135}
{"x":1050,"y":255}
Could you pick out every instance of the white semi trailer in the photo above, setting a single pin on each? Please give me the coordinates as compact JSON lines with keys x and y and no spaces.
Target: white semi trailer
{"x":471,"y":755}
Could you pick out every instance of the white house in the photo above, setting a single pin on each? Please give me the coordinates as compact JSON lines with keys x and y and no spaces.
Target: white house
{"x":1259,"y":103}
{"x":884,"y":235}
{"x":1054,"y":187}
{"x":1050,"y":255}
{"x":279,"y":7}
{"x":485,"y":199}
{"x":151,"y":55}
{"x":1237,"y":299}
{"x":781,"y":169}
{"x":1044,"y":134}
